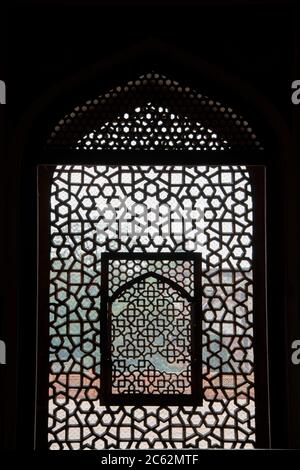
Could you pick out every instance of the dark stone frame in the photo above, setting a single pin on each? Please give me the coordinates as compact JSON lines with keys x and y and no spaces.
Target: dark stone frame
{"x":27,"y":149}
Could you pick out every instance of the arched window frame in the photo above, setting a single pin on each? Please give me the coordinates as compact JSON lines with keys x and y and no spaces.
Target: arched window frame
{"x":270,"y":159}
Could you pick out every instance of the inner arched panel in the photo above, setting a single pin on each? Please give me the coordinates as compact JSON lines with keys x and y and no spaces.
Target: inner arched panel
{"x":151,"y":324}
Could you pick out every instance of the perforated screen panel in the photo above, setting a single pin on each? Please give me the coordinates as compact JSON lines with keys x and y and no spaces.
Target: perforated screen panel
{"x":151,"y":350}
{"x":98,"y":209}
{"x":154,"y":112}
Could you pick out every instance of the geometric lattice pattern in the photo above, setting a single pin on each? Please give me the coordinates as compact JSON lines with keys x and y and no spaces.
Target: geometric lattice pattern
{"x":151,"y":209}
{"x":150,"y":326}
{"x":153,"y":113}
{"x":151,"y":340}
{"x":125,"y":270}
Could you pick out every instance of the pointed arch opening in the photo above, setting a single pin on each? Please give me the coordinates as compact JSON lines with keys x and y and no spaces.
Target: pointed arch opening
{"x":168,"y":191}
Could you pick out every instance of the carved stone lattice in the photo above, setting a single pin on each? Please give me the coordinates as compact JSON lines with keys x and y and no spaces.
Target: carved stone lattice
{"x":154,"y":113}
{"x":157,"y":209}
{"x":152,"y":209}
{"x":151,"y":328}
{"x":151,"y":340}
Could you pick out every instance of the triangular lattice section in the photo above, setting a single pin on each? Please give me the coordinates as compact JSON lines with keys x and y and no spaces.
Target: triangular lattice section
{"x":150,"y":113}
